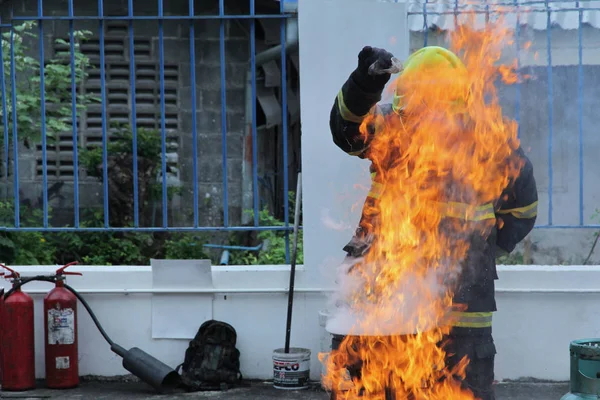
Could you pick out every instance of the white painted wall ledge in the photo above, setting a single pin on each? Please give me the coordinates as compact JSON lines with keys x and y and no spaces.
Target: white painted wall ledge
{"x":159,"y":308}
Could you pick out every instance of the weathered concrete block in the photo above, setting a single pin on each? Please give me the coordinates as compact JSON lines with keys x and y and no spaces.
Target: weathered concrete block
{"x":174,"y":49}
{"x":236,"y":51}
{"x":235,"y":101}
{"x":208,"y":76}
{"x":210,"y":169}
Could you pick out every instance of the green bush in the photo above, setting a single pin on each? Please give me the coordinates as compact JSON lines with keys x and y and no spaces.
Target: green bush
{"x":57,"y":76}
{"x":100,"y":248}
{"x":274,"y":242}
{"x":24,"y":247}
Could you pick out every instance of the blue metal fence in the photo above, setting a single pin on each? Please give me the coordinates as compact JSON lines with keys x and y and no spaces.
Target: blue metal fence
{"x":441,"y":9}
{"x":194,"y":19}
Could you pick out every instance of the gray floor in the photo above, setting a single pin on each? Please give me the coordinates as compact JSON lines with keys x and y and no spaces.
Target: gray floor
{"x":259,"y":390}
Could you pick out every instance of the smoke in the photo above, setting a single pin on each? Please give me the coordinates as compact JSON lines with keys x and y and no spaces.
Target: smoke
{"x":410,"y":306}
{"x":330,"y":223}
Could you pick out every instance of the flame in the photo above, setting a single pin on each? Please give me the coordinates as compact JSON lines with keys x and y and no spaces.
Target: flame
{"x":452,"y":145}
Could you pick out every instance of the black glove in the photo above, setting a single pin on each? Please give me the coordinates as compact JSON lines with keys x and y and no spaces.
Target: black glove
{"x":367,"y":56}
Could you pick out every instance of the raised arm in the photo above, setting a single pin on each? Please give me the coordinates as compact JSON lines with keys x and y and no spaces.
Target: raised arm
{"x":356,"y":99}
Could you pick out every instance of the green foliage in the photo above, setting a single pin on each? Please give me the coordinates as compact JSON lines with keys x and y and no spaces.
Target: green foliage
{"x":514,"y":258}
{"x":125,"y":248}
{"x":102,"y":248}
{"x":186,"y":246}
{"x":120,"y":173}
{"x":25,"y":247}
{"x":274,"y":243}
{"x":57,"y":77}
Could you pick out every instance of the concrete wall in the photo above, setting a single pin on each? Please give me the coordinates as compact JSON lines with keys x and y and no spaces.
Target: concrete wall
{"x":178,"y":100}
{"x":541,"y":309}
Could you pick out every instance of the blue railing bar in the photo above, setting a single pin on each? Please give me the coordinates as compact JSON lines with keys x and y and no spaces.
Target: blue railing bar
{"x":550,"y":110}
{"x":4,"y":107}
{"x":194,"y":105}
{"x":254,"y":128}
{"x":13,"y":83}
{"x":43,"y":116}
{"x":509,"y":3}
{"x":455,"y":13}
{"x":213,"y":229}
{"x":284,"y":131}
{"x":132,"y":83}
{"x":74,"y":118}
{"x":103,"y":95}
{"x":223,"y":114}
{"x":580,"y":114}
{"x":163,"y":133}
{"x":152,"y":229}
{"x":154,"y":18}
{"x":528,"y":11}
{"x":425,"y":23}
{"x":518,"y":88}
{"x":227,"y":247}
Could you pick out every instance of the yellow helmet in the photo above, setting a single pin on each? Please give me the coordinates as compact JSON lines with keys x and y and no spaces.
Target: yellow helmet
{"x":437,"y":66}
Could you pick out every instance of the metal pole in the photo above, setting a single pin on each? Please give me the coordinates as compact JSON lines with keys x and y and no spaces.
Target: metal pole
{"x":288,"y":329}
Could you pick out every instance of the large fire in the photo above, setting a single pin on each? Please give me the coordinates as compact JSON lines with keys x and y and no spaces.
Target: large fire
{"x":442,"y":151}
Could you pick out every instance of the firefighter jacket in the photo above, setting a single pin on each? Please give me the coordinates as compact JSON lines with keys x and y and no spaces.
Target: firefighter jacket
{"x":517,"y":208}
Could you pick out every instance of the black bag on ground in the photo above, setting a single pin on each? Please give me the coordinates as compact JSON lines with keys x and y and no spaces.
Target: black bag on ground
{"x":212,"y":362}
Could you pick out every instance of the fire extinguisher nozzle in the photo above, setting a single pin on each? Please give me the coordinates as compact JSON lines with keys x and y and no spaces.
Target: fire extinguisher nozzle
{"x":149,"y":369}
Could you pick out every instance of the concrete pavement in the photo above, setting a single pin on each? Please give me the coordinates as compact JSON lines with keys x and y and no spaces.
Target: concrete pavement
{"x":133,"y":390}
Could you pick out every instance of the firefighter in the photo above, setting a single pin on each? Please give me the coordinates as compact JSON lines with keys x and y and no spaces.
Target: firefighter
{"x":471,"y":333}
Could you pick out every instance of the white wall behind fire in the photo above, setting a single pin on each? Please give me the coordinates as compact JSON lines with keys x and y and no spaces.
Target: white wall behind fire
{"x":335,"y":184}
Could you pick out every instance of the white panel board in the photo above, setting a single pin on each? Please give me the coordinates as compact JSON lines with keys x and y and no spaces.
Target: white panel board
{"x":178,"y":316}
{"x":332,"y":33}
{"x":181,"y":274}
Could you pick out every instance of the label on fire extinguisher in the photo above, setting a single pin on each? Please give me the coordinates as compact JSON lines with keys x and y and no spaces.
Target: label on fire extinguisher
{"x":62,"y":363}
{"x":61,"y":326}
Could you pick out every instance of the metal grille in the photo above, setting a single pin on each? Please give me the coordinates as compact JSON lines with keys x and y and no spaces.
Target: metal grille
{"x":118,"y":96}
{"x":554,"y":124}
{"x":160,"y":74}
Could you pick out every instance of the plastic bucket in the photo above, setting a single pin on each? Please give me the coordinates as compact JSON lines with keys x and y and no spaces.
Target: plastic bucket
{"x":291,"y":371}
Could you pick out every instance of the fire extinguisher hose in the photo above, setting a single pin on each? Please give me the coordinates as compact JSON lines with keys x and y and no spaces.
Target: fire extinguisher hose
{"x":52,"y":279}
{"x":92,"y":315}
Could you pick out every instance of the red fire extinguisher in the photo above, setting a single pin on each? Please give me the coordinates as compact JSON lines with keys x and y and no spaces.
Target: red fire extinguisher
{"x":60,"y":328}
{"x":18,"y":344}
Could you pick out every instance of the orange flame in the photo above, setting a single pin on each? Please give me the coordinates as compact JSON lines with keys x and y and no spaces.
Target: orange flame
{"x":452,"y":145}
